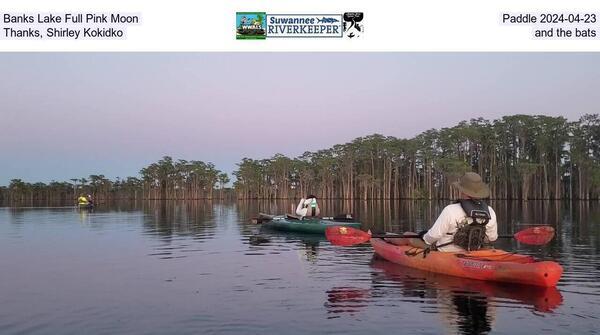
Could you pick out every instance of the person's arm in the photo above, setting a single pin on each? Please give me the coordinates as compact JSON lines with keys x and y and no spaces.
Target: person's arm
{"x":439,"y":228}
{"x":491,"y":228}
{"x":300,"y":210}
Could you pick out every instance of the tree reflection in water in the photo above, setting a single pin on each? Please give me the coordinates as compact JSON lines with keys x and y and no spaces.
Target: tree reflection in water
{"x":465,"y":306}
{"x":469,"y":306}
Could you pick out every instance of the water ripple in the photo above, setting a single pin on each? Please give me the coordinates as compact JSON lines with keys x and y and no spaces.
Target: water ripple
{"x":201,"y":268}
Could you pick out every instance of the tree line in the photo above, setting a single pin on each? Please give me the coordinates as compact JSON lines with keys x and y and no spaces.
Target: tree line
{"x":165,"y":179}
{"x":521,"y":157}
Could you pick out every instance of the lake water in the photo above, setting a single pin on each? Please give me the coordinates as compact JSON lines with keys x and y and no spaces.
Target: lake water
{"x":202,"y":267}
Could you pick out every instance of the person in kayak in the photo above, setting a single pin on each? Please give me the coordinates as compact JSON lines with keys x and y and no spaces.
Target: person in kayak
{"x":308,"y":207}
{"x":467,"y":224}
{"x":83,"y":200}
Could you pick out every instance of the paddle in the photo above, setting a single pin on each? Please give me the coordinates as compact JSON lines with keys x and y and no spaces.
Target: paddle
{"x":345,"y":236}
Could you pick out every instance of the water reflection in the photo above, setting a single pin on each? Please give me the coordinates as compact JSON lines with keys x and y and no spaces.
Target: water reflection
{"x":202,"y":265}
{"x":462,"y":305}
{"x":181,"y":226}
{"x":307,"y":244}
{"x":415,"y":282}
{"x":168,"y":218}
{"x":346,"y":300}
{"x":468,"y":306}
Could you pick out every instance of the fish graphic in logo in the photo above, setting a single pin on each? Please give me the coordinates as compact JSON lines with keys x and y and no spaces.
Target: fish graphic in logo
{"x":327,"y":20}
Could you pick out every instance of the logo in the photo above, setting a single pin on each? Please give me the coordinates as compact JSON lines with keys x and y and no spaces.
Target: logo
{"x":352,"y":24}
{"x":477,"y":265}
{"x":250,"y":26}
{"x":260,"y":25}
{"x":304,"y":25}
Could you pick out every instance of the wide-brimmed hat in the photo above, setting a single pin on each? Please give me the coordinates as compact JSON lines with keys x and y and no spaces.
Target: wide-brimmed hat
{"x":472,"y":185}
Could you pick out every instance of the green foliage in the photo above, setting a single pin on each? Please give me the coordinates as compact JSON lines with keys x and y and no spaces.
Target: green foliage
{"x":520,"y":156}
{"x":452,"y":167}
{"x":165,"y":179}
{"x":516,"y":154}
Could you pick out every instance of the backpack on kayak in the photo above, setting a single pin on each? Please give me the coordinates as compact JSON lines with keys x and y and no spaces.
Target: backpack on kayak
{"x":472,"y":236}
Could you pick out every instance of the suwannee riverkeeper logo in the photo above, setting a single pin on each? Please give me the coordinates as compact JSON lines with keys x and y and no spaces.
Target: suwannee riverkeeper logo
{"x":260,"y":25}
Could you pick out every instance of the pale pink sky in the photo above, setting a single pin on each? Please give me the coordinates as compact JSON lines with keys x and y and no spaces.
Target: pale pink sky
{"x":67,"y":115}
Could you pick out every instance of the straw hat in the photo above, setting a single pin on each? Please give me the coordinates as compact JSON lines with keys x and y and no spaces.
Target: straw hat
{"x":472,"y":185}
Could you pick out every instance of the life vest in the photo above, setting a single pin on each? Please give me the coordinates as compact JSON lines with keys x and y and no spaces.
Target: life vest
{"x":471,"y":236}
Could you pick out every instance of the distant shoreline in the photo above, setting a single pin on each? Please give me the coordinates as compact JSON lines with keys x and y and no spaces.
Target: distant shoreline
{"x":522,"y":157}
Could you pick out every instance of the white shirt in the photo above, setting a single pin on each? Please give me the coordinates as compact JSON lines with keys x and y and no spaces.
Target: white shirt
{"x":301,"y":210}
{"x":448,"y":222}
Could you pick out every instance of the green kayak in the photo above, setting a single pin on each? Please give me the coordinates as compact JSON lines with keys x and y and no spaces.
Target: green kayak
{"x":307,"y":226}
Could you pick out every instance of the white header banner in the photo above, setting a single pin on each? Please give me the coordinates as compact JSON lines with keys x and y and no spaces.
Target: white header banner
{"x":309,"y":25}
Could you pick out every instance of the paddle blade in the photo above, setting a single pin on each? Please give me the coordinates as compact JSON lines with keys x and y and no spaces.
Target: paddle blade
{"x":345,"y":236}
{"x":535,"y":236}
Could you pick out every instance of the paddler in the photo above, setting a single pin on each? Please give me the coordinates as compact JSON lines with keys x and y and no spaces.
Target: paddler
{"x":83,"y":200}
{"x":467,"y":224}
{"x":308,"y":207}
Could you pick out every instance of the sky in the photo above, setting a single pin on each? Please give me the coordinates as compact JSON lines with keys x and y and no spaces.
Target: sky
{"x":69,"y":115}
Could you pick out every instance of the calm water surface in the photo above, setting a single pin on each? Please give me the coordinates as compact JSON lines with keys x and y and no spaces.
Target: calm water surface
{"x":201,"y":267}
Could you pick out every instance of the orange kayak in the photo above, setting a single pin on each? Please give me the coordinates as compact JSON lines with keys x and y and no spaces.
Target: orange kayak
{"x":490,"y":264}
{"x":542,"y":299}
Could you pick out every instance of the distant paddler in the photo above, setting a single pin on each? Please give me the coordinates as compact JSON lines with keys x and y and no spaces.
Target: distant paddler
{"x":308,"y":207}
{"x":85,"y":201}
